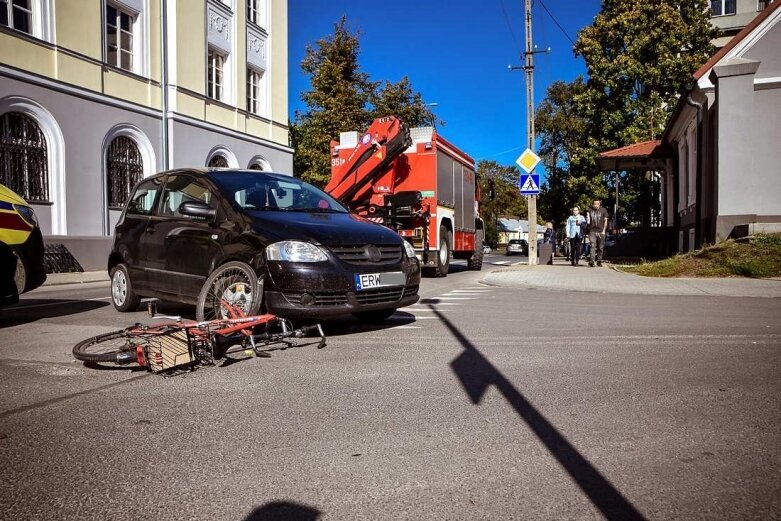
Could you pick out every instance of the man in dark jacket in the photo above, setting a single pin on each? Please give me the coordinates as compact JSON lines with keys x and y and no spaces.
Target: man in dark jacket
{"x":597,"y":225}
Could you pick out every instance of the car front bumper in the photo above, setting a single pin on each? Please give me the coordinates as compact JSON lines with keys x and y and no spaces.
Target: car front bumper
{"x":327,"y":290}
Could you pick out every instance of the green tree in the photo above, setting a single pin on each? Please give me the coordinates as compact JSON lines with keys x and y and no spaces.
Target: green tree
{"x":336,"y":102}
{"x":572,"y":178}
{"x":507,"y":201}
{"x":399,"y":99}
{"x":639,"y":55}
{"x":342,"y":98}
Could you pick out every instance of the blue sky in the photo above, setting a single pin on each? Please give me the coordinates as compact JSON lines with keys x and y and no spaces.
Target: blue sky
{"x":456,"y":54}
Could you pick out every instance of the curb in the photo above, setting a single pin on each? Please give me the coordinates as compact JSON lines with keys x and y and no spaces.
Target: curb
{"x":59,"y":279}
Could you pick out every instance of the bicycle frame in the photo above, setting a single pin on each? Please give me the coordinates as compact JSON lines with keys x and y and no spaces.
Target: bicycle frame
{"x":205,"y":334}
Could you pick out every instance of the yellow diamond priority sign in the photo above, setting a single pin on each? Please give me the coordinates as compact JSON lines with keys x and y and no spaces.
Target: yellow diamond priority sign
{"x":528,"y":160}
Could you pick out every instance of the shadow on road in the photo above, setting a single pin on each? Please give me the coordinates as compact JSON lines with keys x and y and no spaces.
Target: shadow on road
{"x":284,"y":511}
{"x":349,"y":326}
{"x":477,"y":374}
{"x":30,"y":310}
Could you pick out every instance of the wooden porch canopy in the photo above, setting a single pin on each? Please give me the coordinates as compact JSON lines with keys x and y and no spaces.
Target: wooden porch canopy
{"x":646,"y":155}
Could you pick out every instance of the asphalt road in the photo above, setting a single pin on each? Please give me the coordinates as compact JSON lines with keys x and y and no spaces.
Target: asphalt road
{"x":477,"y":403}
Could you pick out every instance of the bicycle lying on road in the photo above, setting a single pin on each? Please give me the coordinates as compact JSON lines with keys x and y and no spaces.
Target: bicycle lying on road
{"x":178,"y":342}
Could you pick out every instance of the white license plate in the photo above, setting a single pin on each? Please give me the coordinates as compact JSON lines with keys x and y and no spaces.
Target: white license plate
{"x":378,"y":280}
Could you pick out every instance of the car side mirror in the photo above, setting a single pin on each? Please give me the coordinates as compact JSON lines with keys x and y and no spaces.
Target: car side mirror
{"x":197,"y":209}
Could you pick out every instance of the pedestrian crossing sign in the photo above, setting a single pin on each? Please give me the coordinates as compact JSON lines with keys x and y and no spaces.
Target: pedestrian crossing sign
{"x":530,"y":184}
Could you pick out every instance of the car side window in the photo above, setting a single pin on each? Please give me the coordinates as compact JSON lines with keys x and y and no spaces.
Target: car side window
{"x":181,"y":189}
{"x":143,"y":200}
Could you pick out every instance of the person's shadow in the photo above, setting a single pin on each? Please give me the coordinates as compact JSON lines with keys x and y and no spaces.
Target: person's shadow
{"x":283,"y":511}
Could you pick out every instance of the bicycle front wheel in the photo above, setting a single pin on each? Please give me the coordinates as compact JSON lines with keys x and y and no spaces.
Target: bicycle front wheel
{"x":116,"y":347}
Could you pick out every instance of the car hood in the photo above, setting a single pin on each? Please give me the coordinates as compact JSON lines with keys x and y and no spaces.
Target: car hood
{"x":329,"y":229}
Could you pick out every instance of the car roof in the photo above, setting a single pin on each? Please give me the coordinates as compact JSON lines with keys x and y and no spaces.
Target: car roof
{"x":204,"y":171}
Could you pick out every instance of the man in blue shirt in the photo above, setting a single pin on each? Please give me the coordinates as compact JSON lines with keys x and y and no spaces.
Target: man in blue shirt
{"x":574,"y":235}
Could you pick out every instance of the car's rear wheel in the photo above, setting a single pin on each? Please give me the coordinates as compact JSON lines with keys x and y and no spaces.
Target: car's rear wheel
{"x":374,"y":316}
{"x":122,"y":295}
{"x":234,"y":283}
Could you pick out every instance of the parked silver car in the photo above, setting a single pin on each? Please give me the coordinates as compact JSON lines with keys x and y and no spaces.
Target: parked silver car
{"x":517,"y":246}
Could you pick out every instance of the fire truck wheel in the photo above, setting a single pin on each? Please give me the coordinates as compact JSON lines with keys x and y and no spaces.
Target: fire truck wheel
{"x":475,"y":262}
{"x":443,"y":254}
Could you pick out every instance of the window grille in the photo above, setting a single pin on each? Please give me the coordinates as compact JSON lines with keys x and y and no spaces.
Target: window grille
{"x":124,"y":168}
{"x":23,"y":157}
{"x":218,"y":161}
{"x":17,"y":14}
{"x":119,"y":38}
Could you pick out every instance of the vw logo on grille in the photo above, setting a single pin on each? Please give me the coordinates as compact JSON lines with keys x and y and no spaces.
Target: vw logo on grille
{"x":373,"y":253}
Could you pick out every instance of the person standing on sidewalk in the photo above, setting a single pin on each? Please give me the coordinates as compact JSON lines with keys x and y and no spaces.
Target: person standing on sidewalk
{"x":549,"y":237}
{"x":597,"y":225}
{"x":574,"y":235}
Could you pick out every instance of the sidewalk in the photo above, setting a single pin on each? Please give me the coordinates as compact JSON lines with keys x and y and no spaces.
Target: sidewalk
{"x":563,"y":277}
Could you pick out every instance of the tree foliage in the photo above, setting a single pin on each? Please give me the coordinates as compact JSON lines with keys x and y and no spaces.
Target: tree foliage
{"x":336,"y":102}
{"x":507,"y":201}
{"x":400,"y":100}
{"x":639,"y":55}
{"x":343,"y":98}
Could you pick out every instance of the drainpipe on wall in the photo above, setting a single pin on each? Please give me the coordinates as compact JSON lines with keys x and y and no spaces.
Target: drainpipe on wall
{"x":164,"y":79}
{"x":698,"y":184}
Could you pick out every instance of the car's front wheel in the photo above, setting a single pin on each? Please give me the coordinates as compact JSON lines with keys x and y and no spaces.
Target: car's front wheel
{"x":122,"y":295}
{"x":234,"y":283}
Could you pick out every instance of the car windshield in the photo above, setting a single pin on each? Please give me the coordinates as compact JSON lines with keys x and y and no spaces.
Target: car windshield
{"x":261,"y":191}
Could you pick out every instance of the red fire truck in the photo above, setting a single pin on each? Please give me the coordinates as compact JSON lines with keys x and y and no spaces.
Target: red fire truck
{"x":415,"y":182}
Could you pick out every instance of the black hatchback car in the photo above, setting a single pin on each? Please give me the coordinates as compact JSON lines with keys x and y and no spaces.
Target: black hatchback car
{"x":260,"y":240}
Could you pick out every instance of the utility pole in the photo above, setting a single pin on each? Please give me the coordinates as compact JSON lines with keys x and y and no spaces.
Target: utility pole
{"x":531,"y":200}
{"x":528,"y":67}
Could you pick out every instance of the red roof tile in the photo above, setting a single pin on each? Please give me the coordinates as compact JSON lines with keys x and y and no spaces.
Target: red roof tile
{"x":642,"y":149}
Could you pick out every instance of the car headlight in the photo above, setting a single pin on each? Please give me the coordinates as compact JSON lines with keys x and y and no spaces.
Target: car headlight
{"x":27,"y":214}
{"x":409,"y":249}
{"x":295,"y":251}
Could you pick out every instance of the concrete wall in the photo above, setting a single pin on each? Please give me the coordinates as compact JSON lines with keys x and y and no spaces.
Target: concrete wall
{"x":84,"y":124}
{"x":747,"y":155}
{"x":192,"y":145}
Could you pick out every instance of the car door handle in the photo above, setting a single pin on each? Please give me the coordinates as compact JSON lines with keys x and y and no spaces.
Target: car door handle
{"x":150,"y":229}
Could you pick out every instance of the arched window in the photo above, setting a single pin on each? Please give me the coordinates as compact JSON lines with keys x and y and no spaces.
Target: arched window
{"x":23,"y":160}
{"x":218,"y":161}
{"x":256,"y":166}
{"x":124,"y":168}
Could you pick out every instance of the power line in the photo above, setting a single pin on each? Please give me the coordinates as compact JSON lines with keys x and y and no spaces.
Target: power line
{"x":510,"y":27}
{"x":556,"y":22}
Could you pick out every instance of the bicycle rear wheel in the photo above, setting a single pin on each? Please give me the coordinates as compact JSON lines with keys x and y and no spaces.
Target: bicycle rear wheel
{"x":117,"y":347}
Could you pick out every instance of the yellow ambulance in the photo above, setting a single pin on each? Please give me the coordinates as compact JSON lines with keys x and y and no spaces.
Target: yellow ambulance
{"x":21,"y":248}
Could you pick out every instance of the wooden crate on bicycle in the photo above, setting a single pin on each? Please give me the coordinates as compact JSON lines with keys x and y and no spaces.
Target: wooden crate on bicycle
{"x":169,"y":350}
